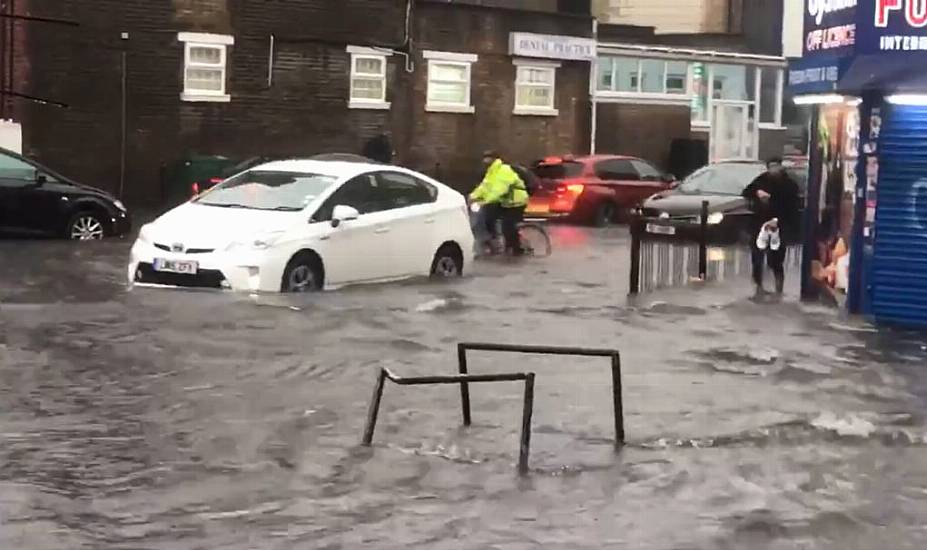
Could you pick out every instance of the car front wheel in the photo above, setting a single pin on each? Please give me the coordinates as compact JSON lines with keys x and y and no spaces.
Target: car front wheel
{"x":303,"y":274}
{"x":85,"y":226}
{"x":448,"y":263}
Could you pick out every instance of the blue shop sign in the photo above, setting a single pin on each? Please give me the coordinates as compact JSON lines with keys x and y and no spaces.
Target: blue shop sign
{"x":830,"y":28}
{"x":816,"y":75}
{"x":891,"y":26}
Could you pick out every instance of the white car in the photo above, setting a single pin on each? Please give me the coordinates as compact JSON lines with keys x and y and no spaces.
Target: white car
{"x":303,"y":225}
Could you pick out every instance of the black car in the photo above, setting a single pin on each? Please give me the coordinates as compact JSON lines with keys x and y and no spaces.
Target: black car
{"x":677,"y":214}
{"x":35,"y":200}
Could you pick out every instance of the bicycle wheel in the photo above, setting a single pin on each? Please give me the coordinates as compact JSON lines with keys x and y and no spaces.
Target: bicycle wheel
{"x":534,"y":240}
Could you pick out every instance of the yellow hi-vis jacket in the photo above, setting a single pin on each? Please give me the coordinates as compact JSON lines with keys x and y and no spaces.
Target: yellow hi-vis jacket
{"x":501,"y":185}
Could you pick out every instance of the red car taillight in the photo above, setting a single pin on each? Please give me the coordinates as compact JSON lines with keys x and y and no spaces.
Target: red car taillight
{"x":565,"y":197}
{"x":215,"y":181}
{"x":196,"y":188}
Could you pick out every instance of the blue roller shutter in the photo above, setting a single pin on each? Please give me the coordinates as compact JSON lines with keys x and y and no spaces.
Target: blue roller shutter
{"x":899,"y":269}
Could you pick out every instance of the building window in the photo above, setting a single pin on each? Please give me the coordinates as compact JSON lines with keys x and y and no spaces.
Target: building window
{"x":535,"y":87}
{"x":771,"y":84}
{"x":643,"y":76}
{"x":368,"y":78}
{"x":449,"y":82}
{"x":205,"y":66}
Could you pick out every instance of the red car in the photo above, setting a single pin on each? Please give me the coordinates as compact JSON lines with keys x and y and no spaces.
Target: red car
{"x":594,"y":190}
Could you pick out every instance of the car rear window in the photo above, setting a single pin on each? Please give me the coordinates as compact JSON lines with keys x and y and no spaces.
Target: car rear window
{"x":558,"y":171}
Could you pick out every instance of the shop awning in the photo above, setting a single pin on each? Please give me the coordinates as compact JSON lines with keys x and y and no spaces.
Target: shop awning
{"x":885,"y":73}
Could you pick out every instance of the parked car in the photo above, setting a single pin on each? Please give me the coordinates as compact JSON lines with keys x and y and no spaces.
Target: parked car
{"x":208,"y":183}
{"x":593,"y":190}
{"x":677,"y":213}
{"x":301,"y":225}
{"x":37,"y":201}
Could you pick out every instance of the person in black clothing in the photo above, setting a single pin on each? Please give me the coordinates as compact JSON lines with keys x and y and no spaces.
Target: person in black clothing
{"x":774,"y":198}
{"x":379,"y":149}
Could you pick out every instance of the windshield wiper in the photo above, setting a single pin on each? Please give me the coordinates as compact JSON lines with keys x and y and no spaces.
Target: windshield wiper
{"x":223,"y":205}
{"x":283,"y":209}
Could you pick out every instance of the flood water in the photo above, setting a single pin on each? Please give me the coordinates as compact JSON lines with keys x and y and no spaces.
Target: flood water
{"x":165,"y":419}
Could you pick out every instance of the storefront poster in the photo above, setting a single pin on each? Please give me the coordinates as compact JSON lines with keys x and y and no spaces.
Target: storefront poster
{"x":837,"y":151}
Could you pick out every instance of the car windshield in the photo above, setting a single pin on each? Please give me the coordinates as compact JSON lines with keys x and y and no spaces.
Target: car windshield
{"x":721,"y":179}
{"x":267,"y":190}
{"x":558,"y":171}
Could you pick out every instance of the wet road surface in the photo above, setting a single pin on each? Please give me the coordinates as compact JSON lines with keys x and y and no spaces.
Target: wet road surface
{"x":165,"y":419}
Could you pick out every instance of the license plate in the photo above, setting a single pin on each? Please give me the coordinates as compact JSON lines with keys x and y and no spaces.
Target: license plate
{"x":538,"y":209}
{"x":661,"y":229}
{"x":175,"y":266}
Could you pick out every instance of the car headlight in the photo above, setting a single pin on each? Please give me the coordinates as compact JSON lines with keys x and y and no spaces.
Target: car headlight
{"x":715,"y":218}
{"x":261,"y":242}
{"x":119,"y":206}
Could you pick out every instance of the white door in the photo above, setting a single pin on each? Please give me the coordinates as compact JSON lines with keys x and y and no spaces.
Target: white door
{"x":358,"y":250}
{"x":412,"y":203}
{"x":733,"y":136}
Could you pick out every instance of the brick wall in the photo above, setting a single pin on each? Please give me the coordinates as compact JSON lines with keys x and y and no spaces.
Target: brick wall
{"x":456,"y":141}
{"x":644,"y":131}
{"x":304,"y":112}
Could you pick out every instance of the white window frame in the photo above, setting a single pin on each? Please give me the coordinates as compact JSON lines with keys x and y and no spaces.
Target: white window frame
{"x":219,"y":42}
{"x":547,"y":66}
{"x":359,"y":53}
{"x":465,"y":60}
{"x":655,"y":98}
{"x":780,"y":91}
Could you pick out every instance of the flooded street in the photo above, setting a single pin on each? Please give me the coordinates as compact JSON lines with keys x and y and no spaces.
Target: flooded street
{"x":166,"y":419}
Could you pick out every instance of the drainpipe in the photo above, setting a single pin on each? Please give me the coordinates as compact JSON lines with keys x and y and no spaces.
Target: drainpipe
{"x":123,"y":125}
{"x":593,"y":88}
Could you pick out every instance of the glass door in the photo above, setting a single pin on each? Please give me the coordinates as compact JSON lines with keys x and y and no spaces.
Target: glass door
{"x":733,"y":135}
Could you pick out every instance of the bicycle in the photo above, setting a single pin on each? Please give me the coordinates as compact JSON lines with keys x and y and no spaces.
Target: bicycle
{"x":535,"y":241}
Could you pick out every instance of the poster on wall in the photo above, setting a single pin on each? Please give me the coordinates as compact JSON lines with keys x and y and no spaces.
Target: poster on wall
{"x":837,"y":144}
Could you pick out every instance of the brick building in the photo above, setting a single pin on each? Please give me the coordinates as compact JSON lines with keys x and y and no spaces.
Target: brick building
{"x":163,"y":80}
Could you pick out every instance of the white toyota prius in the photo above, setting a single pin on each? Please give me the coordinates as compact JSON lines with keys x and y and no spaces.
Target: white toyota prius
{"x":303,"y":225}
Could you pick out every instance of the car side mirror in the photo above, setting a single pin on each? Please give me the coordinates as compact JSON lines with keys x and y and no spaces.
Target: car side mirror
{"x":40,"y":178}
{"x":342,"y":213}
{"x":669,"y":178}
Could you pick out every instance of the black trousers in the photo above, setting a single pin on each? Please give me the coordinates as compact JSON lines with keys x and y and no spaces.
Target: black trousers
{"x":775,"y":259}
{"x":511,"y":217}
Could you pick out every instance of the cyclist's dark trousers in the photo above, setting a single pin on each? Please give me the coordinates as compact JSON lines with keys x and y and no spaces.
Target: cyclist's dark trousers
{"x":491,"y":214}
{"x":511,"y":217}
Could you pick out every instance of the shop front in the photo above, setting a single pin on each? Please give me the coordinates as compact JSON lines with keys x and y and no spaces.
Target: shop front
{"x":863,"y":74}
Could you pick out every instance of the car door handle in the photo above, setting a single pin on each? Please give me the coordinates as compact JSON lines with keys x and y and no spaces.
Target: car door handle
{"x":429,"y":220}
{"x":381,"y":230}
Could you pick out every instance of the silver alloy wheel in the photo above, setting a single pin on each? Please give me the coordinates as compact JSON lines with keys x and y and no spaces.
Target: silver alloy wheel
{"x":86,"y":228}
{"x":302,"y":279}
{"x":446,"y":266}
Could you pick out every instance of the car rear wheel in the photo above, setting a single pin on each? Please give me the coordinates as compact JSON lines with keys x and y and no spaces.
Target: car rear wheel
{"x":604,"y":215}
{"x":303,"y":274}
{"x":85,"y":226}
{"x":448,"y":263}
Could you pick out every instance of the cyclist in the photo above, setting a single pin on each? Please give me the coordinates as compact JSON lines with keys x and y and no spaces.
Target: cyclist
{"x":503,"y":196}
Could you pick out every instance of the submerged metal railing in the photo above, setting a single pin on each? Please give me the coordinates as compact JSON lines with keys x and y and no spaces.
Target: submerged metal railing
{"x":465,"y":379}
{"x":527,"y":408}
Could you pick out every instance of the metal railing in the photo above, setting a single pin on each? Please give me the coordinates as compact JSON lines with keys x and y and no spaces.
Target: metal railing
{"x":527,"y":409}
{"x":614,"y":355}
{"x":465,"y":379}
